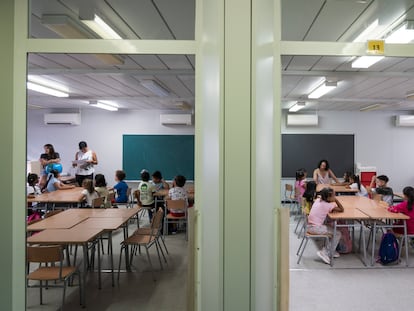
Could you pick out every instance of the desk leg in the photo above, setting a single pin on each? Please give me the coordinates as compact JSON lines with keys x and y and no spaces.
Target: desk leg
{"x":85,"y":269}
{"x":332,"y":244}
{"x":406,"y":242}
{"x":99,"y":264}
{"x":373,"y":242}
{"x":363,"y":242}
{"x":112,"y":257}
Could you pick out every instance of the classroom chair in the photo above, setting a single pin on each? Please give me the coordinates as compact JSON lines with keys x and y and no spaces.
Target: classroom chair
{"x":176,"y":213}
{"x":306,"y":237}
{"x":146,"y":241}
{"x":290,"y":198}
{"x":98,"y":202}
{"x":51,"y":268}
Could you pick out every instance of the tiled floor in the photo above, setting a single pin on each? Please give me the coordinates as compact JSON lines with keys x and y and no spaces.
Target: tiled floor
{"x":349,"y":285}
{"x":135,"y":291}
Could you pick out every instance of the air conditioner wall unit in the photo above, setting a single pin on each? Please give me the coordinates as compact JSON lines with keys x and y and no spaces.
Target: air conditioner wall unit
{"x":302,"y":120}
{"x":404,"y":120}
{"x":176,"y":119}
{"x":62,"y":118}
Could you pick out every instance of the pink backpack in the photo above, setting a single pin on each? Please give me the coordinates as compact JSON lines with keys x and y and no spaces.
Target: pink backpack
{"x":345,"y":243}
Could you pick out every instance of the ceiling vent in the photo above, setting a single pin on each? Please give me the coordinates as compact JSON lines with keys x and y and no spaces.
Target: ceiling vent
{"x":302,"y":120}
{"x":405,"y":120}
{"x":62,"y":118}
{"x":176,"y":119}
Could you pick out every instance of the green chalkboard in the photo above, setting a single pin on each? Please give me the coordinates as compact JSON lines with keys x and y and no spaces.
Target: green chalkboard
{"x":171,"y":154}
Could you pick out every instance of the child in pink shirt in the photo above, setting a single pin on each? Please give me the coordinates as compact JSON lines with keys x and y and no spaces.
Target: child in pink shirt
{"x":300,"y":184}
{"x":406,"y":207}
{"x":323,"y":205}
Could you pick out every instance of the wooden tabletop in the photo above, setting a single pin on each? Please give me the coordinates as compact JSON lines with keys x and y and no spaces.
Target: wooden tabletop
{"x":64,"y":236}
{"x":336,"y":188}
{"x":58,"y":221}
{"x":72,"y":195}
{"x":164,"y":193}
{"x":112,"y":223}
{"x":382,"y":213}
{"x":352,"y":213}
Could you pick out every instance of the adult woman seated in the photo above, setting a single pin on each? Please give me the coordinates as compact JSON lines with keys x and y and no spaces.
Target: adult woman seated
{"x":323,"y":174}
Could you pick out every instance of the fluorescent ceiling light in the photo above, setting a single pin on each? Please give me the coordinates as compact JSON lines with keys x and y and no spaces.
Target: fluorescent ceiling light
{"x":48,"y":87}
{"x":366,"y":61}
{"x":404,"y":33}
{"x":155,"y":87}
{"x":68,"y":28}
{"x":322,"y":89}
{"x":298,"y":106}
{"x":111,"y":106}
{"x":101,"y":28}
{"x":371,"y":107}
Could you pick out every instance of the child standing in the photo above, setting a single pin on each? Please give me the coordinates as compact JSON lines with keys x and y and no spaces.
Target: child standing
{"x":323,"y":205}
{"x":144,"y":193}
{"x":300,"y":184}
{"x":121,"y":187}
{"x":89,"y":193}
{"x":355,"y":183}
{"x":405,"y":207}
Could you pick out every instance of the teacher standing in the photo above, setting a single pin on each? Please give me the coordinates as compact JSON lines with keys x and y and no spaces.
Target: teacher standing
{"x":85,"y":159}
{"x":323,"y":174}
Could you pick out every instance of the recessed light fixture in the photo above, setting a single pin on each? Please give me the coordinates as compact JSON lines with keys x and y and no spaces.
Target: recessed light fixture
{"x":101,"y":28}
{"x":107,"y":105}
{"x":298,"y":106}
{"x":404,"y":33}
{"x":371,"y":107}
{"x":322,"y":89}
{"x":366,"y":61}
{"x":45,"y":86}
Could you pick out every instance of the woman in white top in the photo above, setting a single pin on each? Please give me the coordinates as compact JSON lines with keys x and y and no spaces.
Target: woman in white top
{"x":356,"y":184}
{"x":85,"y":159}
{"x":323,"y":174}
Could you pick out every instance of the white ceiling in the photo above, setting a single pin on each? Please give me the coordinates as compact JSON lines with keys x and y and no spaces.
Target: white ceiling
{"x":88,"y":78}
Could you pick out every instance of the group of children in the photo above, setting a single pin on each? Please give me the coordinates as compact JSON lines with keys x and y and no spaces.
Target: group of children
{"x":317,"y":205}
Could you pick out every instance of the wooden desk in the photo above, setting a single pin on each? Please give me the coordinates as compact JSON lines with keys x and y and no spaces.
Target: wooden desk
{"x":72,"y":196}
{"x":74,"y":236}
{"x":58,"y":221}
{"x":336,"y":188}
{"x":108,"y":225}
{"x":378,"y":212}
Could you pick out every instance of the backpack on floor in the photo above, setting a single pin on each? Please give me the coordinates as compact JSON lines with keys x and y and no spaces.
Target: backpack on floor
{"x":388,"y":251}
{"x":345,"y":243}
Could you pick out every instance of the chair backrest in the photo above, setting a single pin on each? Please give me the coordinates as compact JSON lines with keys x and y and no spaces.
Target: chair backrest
{"x":157,"y":220}
{"x":111,"y":196}
{"x":42,"y":254}
{"x":98,"y":202}
{"x":176,"y":205}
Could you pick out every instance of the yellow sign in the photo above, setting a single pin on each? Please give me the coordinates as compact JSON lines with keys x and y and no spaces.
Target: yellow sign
{"x":375,"y":47}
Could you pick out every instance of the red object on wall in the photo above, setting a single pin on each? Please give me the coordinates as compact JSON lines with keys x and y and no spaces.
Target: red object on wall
{"x":366,"y":177}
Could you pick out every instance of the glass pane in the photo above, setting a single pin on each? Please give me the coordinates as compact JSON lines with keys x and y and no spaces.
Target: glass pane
{"x":129,"y":19}
{"x":343,"y":20}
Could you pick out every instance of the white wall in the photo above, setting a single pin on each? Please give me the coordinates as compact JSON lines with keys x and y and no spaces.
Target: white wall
{"x":378,"y":142}
{"x":101,"y":129}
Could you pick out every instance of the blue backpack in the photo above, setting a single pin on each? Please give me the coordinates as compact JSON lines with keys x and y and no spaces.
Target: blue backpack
{"x":388,"y":251}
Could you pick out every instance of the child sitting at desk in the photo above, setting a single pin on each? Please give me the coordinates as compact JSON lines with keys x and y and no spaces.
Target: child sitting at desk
{"x":356,"y":184}
{"x":89,"y":193}
{"x":323,"y":205}
{"x":121,"y":187}
{"x":53,"y":183}
{"x":300,"y":184}
{"x":144,"y":193}
{"x":177,"y":192}
{"x":387,"y":195}
{"x":102,"y":189}
{"x":308,"y":197}
{"x":405,"y":207}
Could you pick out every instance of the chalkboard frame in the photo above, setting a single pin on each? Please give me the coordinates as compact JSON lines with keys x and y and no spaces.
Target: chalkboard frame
{"x":171,"y":154}
{"x":306,"y":150}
